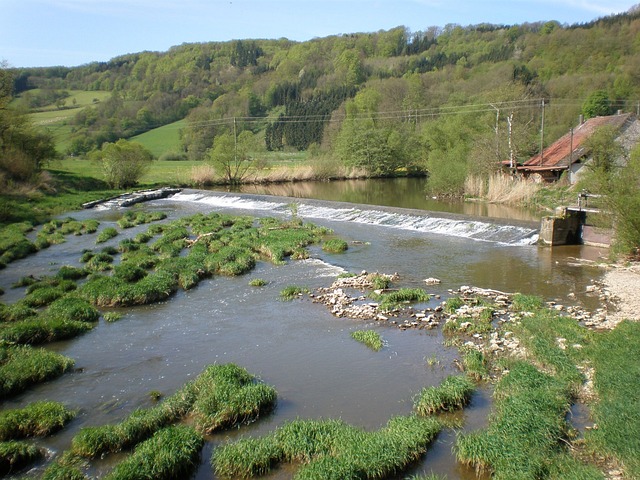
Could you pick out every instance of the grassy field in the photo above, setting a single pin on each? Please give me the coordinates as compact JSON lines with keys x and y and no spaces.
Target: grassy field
{"x":161,"y":172}
{"x":163,"y":139}
{"x":55,"y":119}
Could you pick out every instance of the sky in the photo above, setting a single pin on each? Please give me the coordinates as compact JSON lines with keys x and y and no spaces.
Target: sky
{"x":41,"y":33}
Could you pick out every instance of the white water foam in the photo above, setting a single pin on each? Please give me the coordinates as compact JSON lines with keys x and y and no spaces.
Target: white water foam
{"x":472,"y":229}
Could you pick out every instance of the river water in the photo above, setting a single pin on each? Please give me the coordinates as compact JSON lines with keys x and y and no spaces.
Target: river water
{"x":299,"y":347}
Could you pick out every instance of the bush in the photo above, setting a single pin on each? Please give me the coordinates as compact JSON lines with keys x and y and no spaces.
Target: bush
{"x":123,"y":162}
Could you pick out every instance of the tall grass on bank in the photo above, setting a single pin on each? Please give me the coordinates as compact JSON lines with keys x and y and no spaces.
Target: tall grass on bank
{"x":501,"y":188}
{"x":330,"y":449}
{"x":170,"y":453}
{"x":526,"y":436}
{"x":36,"y":420}
{"x":14,"y":456}
{"x":452,"y":394}
{"x":23,"y":366}
{"x":221,"y":396}
{"x":371,"y":339}
{"x":616,"y":360}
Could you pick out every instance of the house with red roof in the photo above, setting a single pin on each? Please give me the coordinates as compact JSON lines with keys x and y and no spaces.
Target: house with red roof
{"x":570,"y":152}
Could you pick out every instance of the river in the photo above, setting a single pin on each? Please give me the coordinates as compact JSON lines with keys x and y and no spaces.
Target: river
{"x":299,"y":347}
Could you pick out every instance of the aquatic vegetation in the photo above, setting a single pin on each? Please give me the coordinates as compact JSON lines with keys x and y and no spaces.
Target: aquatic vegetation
{"x":475,"y":363}
{"x":67,"y":272}
{"x":452,"y":394}
{"x":221,"y":396}
{"x":131,"y":219}
{"x":335,"y":245}
{"x":292,"y":291}
{"x":14,"y":243}
{"x":526,"y":303}
{"x":16,"y":312}
{"x":525,"y":430}
{"x":66,"y":467}
{"x":112,"y":316}
{"x":106,"y":234}
{"x":452,"y":304}
{"x":330,"y":449}
{"x":390,"y":300}
{"x":35,"y":420}
{"x":371,"y":339}
{"x":55,"y":231}
{"x":172,"y":452}
{"x":15,"y":455}
{"x":34,"y":331}
{"x":257,"y":282}
{"x":23,"y":366}
{"x":42,"y":296}
{"x":74,"y":308}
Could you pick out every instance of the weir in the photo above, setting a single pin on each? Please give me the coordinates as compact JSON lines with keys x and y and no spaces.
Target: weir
{"x":487,"y":229}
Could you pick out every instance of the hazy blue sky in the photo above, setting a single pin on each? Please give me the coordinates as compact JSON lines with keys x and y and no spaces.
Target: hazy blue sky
{"x":74,"y":32}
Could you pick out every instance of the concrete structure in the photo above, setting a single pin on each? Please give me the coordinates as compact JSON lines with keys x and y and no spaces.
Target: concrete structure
{"x":570,"y":226}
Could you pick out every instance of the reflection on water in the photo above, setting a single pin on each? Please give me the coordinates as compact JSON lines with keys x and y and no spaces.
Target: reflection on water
{"x":298,"y":347}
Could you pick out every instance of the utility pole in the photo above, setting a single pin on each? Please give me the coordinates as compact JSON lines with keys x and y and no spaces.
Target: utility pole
{"x":542,"y":136}
{"x":496,"y":129}
{"x":235,"y":142}
{"x":510,"y":123}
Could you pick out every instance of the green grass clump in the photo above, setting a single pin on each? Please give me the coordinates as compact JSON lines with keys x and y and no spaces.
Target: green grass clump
{"x":42,"y":296}
{"x":133,"y":219}
{"x":452,"y":304}
{"x":66,"y":467}
{"x":616,"y":360}
{"x":16,"y":312}
{"x":379,"y":282}
{"x":330,"y":449}
{"x":55,"y":231}
{"x":452,"y":394}
{"x":67,"y":272}
{"x":73,"y":308}
{"x":390,"y":300}
{"x":112,"y":316}
{"x":106,"y":234}
{"x":229,"y":395}
{"x":23,"y":366}
{"x":257,"y":282}
{"x":221,"y":396}
{"x":526,"y":303}
{"x":525,"y":431}
{"x":41,"y":329}
{"x":371,"y":339}
{"x":14,"y":243}
{"x":292,"y":291}
{"x":335,"y":245}
{"x":129,"y":272}
{"x":36,"y":420}
{"x":475,"y":364}
{"x":173,"y":452}
{"x":105,"y":291}
{"x":14,"y":456}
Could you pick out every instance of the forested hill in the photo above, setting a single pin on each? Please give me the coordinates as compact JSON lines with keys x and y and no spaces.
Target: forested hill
{"x":394,"y":91}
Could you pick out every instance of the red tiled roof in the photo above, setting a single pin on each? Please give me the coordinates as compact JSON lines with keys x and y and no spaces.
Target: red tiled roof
{"x":558,"y":155}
